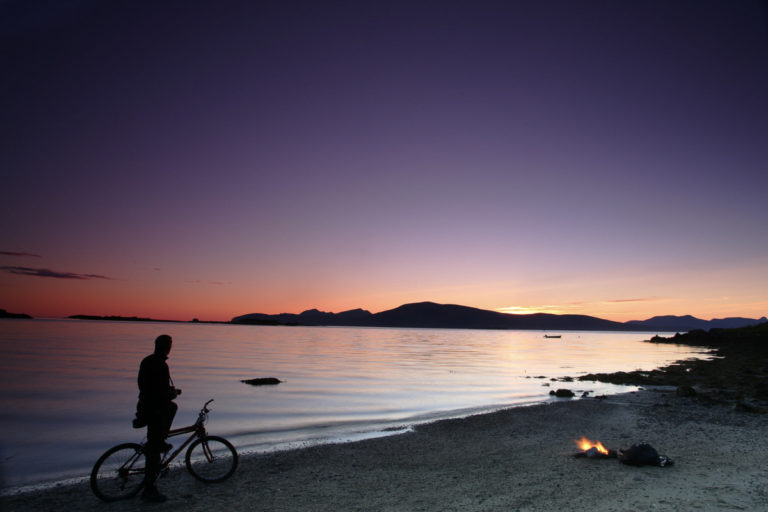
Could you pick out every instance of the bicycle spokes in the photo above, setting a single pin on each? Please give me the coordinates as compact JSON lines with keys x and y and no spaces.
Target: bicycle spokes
{"x":119,"y":473}
{"x":207,"y":452}
{"x":211,"y":459}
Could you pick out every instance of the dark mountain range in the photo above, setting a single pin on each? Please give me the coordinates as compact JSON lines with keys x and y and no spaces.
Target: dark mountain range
{"x":451,"y":316}
{"x":690,"y":323}
{"x":429,"y":314}
{"x":355,"y":317}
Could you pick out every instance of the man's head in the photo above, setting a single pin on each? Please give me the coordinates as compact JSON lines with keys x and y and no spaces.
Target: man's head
{"x":163,"y":344}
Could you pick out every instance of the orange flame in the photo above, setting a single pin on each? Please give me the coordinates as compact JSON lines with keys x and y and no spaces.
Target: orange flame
{"x":585,"y":444}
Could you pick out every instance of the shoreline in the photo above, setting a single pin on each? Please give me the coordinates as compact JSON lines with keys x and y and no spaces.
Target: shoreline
{"x":392,"y":428}
{"x":736,"y":374}
{"x":519,"y":458}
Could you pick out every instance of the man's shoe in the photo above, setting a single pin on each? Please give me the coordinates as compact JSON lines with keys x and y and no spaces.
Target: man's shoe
{"x":166,"y":447}
{"x":152,"y":495}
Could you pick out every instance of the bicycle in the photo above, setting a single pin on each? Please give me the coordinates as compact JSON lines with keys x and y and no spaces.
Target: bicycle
{"x":119,"y":472}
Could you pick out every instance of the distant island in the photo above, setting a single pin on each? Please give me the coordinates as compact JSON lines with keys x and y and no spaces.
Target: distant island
{"x":452,"y":316}
{"x":115,"y":318}
{"x":5,"y":314}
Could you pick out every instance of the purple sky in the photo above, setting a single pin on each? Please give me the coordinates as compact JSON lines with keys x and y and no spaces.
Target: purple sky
{"x":209,"y":159}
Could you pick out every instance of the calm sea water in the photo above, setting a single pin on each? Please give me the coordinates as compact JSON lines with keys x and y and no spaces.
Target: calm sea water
{"x":69,"y":387}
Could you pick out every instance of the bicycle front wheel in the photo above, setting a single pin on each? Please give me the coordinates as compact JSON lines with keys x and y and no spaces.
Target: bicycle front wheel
{"x":119,"y":473}
{"x":211,"y":459}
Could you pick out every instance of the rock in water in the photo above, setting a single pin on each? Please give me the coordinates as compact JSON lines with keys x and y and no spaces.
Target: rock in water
{"x":265,"y":381}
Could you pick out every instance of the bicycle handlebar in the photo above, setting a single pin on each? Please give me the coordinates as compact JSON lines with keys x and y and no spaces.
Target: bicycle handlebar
{"x":203,"y":416}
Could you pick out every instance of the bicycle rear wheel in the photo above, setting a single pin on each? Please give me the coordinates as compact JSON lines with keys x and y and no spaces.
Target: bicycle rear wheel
{"x":211,"y":459}
{"x":119,"y":473}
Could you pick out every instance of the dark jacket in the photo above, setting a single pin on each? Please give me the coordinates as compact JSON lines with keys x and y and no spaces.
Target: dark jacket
{"x":155,"y":388}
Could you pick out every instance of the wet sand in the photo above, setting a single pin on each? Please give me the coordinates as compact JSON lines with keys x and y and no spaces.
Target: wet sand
{"x":519,"y":459}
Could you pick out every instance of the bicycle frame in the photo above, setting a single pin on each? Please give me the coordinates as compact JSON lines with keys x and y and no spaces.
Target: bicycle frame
{"x":119,"y":472}
{"x":197,"y":430}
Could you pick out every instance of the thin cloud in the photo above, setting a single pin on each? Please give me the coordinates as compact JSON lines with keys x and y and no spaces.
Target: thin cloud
{"x":22,"y":254}
{"x":44,"y":272}
{"x":642,"y":299}
{"x":216,"y":283}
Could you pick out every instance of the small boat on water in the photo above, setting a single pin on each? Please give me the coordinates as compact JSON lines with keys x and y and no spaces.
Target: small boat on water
{"x":553,"y":335}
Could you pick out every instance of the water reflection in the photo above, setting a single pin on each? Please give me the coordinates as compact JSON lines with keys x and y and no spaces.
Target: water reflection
{"x":70,"y":386}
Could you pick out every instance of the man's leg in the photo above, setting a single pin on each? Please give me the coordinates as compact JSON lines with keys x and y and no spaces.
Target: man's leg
{"x":170,"y":415}
{"x":156,"y":433}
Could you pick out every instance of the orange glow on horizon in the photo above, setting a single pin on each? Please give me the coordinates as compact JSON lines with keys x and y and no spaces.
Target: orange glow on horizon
{"x":195,"y":305}
{"x":523,"y":310}
{"x":164,"y":299}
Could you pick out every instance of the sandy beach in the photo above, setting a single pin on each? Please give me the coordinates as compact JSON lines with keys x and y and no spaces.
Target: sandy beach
{"x":519,"y":459}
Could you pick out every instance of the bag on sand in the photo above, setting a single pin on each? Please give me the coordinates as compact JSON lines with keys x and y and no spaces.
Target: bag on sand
{"x":643,"y":454}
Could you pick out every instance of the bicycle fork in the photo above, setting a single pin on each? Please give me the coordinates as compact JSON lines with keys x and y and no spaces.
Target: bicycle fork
{"x":207,"y":451}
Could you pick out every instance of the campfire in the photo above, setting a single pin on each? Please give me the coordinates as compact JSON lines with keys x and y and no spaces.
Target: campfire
{"x":593,"y":449}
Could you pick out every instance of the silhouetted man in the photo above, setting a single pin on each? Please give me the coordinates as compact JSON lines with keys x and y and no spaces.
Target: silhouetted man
{"x":157,"y":410}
